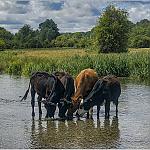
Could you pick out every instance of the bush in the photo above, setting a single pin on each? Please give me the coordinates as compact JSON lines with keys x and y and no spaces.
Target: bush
{"x":2,"y":44}
{"x":140,"y":42}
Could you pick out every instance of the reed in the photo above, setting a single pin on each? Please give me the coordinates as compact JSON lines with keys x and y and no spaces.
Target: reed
{"x":135,"y":64}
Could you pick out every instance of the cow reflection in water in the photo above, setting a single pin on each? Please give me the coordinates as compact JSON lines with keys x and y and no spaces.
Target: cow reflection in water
{"x":76,"y":134}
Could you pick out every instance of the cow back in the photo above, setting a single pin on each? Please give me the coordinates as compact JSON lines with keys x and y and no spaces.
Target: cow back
{"x":84,"y":83}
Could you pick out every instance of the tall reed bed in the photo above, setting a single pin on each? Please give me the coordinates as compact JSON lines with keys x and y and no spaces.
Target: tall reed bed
{"x":133,"y":64}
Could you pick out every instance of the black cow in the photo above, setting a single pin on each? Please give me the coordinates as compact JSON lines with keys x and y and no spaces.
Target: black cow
{"x":46,"y":86}
{"x":65,"y":101}
{"x":105,"y":90}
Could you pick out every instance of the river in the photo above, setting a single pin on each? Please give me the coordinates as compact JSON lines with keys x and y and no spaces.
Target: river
{"x":18,"y":130}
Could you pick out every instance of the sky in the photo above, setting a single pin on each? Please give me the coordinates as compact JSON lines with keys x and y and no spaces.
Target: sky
{"x":69,"y":15}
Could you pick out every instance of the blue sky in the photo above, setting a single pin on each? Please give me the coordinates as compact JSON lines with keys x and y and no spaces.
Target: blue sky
{"x":70,"y":15}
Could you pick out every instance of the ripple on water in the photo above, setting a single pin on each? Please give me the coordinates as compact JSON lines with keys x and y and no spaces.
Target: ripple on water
{"x":18,"y":130}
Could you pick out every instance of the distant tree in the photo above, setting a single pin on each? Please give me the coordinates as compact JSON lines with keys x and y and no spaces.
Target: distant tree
{"x":140,"y":34}
{"x":2,"y":44}
{"x":6,"y":37}
{"x":112,"y":30}
{"x":24,"y":35}
{"x":143,"y":22}
{"x":140,"y":42}
{"x":48,"y":31}
{"x":74,"y":40}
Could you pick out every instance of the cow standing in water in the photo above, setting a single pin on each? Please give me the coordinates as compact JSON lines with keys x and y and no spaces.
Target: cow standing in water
{"x":68,"y":83}
{"x":46,"y":86}
{"x":84,"y":83}
{"x":108,"y":89}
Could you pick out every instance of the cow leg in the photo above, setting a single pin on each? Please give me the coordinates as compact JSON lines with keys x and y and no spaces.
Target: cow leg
{"x":33,"y":101}
{"x":91,"y":113}
{"x":107,"y":108}
{"x":117,"y":109}
{"x":39,"y":105}
{"x":87,"y":116}
{"x":98,"y":110}
{"x":46,"y":107}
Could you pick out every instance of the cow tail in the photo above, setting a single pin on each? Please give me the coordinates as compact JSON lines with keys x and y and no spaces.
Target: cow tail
{"x":26,"y":94}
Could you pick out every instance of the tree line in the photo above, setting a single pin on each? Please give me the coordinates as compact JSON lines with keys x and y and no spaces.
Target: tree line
{"x":112,"y":31}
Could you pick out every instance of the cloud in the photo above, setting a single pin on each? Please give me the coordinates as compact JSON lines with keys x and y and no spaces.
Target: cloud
{"x":70,"y":15}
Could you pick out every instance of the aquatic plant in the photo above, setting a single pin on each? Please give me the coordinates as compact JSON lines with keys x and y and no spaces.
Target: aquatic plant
{"x":135,"y":64}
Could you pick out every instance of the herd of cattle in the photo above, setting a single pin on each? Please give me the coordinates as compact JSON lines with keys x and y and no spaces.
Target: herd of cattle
{"x":79,"y":95}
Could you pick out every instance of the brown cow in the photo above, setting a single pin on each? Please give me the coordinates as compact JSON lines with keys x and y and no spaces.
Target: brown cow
{"x":84,"y":83}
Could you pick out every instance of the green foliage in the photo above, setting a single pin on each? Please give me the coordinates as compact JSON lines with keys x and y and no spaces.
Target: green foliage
{"x":48,"y":32}
{"x":23,"y":38}
{"x":2,"y":44}
{"x":109,"y":35}
{"x":28,"y":38}
{"x":140,"y":42}
{"x":140,"y":34}
{"x":112,"y":32}
{"x":75,"y":40}
{"x":133,"y":64}
{"x":6,"y":38}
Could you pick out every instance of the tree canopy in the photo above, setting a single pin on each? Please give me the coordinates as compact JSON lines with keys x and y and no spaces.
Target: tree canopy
{"x":112,"y":30}
{"x":111,"y":34}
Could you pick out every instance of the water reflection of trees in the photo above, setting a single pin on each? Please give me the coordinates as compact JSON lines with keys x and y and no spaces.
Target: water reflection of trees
{"x":75,"y":134}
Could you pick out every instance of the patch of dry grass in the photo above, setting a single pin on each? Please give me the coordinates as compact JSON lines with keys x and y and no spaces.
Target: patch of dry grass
{"x":52,"y":53}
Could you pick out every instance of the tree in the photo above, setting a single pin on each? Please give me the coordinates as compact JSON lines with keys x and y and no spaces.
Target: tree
{"x":6,"y":37}
{"x":2,"y":44}
{"x":24,"y":35}
{"x":112,"y":30}
{"x":140,"y":41}
{"x":48,"y":31}
{"x":140,"y":34}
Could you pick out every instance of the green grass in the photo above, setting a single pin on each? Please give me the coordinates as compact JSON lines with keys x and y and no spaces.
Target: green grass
{"x":135,"y":63}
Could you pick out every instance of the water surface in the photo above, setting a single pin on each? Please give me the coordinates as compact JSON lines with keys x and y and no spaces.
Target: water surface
{"x":18,"y":130}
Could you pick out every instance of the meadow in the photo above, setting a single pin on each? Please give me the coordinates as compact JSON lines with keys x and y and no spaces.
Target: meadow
{"x":134,"y":64}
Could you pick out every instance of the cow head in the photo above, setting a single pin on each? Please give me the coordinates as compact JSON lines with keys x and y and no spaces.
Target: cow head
{"x":74,"y":106}
{"x":63,"y":107}
{"x":50,"y":107}
{"x":97,"y":95}
{"x":54,"y":97}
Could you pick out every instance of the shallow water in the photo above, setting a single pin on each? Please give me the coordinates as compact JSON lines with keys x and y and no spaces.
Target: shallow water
{"x":18,"y":130}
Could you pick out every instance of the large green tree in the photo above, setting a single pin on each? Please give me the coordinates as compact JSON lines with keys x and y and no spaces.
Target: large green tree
{"x":48,"y":31}
{"x":112,"y":30}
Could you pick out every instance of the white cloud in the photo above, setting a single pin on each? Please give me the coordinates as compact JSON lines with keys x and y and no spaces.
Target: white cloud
{"x":138,"y":13}
{"x":73,"y":15}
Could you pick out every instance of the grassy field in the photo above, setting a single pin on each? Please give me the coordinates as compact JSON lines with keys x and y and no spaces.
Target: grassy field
{"x":135,"y":63}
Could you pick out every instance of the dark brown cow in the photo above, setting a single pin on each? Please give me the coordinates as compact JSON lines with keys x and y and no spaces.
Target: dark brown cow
{"x":108,"y":89}
{"x":84,"y":83}
{"x":46,"y":86}
{"x":68,"y":83}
